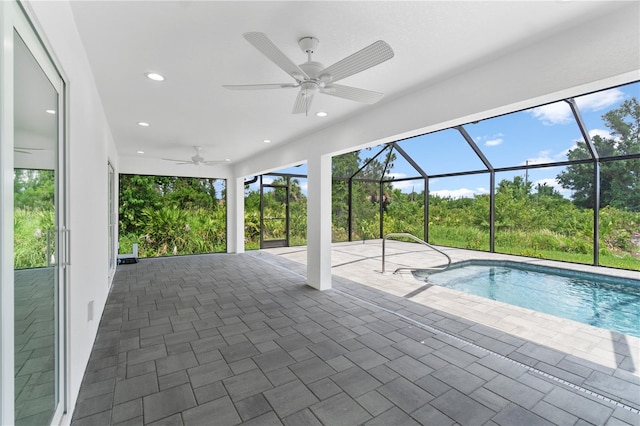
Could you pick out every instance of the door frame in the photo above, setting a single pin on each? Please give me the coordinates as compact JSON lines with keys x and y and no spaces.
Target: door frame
{"x":281,"y":242}
{"x":112,"y":204}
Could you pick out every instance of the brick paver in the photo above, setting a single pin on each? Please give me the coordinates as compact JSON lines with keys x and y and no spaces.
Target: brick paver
{"x":231,"y":339}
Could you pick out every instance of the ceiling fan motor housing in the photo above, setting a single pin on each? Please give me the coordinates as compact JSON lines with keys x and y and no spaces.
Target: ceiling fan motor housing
{"x":313,"y":69}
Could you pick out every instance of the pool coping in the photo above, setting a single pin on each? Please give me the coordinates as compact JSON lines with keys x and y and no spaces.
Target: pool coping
{"x":564,"y":272}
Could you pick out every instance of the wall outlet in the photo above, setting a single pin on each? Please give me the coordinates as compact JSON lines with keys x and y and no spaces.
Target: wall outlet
{"x":90,"y":311}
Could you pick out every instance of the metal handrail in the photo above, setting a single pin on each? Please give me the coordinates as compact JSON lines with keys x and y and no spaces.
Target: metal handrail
{"x":416,"y":239}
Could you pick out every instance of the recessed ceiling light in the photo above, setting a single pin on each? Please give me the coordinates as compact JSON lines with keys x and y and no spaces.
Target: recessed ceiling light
{"x":140,"y":152}
{"x":227,"y":160}
{"x":154,"y":76}
{"x":321,"y":114}
{"x":51,"y":111}
{"x":267,"y":141}
{"x":143,"y":124}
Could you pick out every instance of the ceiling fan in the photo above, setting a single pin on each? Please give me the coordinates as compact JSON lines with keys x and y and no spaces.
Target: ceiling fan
{"x":198,"y":159}
{"x":312,"y":77}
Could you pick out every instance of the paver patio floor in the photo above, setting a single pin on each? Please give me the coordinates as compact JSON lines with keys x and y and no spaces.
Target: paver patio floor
{"x":240,"y":338}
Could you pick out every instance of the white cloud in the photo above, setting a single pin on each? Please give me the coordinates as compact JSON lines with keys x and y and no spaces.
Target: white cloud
{"x":548,"y":182}
{"x":542,"y":158}
{"x":560,"y":112}
{"x":397,"y":175}
{"x":563,"y":154}
{"x":604,"y":134}
{"x":553,"y":183}
{"x":556,"y":113}
{"x":406,"y":185}
{"x":493,"y":140}
{"x":459,"y":193}
{"x":600,"y":100}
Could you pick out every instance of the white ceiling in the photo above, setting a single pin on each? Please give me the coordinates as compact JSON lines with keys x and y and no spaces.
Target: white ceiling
{"x":198,"y":46}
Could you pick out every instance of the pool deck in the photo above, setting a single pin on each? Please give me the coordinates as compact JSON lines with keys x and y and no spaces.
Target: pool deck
{"x":554,"y":345}
{"x":361,"y":262}
{"x":242,"y":339}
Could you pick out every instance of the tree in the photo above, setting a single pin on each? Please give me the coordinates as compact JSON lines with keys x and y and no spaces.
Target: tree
{"x":33,"y":189}
{"x":136,"y":193}
{"x":518,"y":188}
{"x":365,"y":191}
{"x":154,"y":192}
{"x":619,"y":180}
{"x":191,"y":193}
{"x":543,"y":190}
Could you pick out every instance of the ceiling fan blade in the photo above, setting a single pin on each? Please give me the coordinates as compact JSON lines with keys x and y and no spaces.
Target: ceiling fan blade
{"x":259,"y":86}
{"x":261,"y":42}
{"x":303,"y":102}
{"x":366,"y":58}
{"x":178,"y":161}
{"x":26,"y":150}
{"x":352,"y":93}
{"x":214,"y":162}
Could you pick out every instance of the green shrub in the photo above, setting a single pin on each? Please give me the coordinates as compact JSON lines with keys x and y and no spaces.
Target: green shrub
{"x":30,"y":227}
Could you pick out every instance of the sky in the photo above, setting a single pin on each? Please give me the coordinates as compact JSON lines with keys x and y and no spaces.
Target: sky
{"x":535,"y":136}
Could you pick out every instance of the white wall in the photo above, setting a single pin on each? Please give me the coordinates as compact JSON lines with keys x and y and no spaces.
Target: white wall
{"x":90,"y":146}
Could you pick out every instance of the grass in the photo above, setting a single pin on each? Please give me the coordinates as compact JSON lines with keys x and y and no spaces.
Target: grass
{"x":30,"y":242}
{"x":30,"y":237}
{"x":540,"y":244}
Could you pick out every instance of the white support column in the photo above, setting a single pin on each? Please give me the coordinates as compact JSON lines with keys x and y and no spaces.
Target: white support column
{"x":319,"y":222}
{"x":235,"y":215}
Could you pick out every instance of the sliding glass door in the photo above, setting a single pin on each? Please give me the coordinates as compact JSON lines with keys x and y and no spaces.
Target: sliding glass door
{"x":33,"y":102}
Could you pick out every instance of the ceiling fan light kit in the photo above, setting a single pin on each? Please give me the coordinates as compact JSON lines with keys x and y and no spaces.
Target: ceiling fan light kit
{"x":312,"y":77}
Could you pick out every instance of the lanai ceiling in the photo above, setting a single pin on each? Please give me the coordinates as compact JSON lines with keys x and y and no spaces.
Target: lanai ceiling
{"x":198,"y":46}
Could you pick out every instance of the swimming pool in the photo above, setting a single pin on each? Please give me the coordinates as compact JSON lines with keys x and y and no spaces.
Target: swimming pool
{"x":602,"y":301}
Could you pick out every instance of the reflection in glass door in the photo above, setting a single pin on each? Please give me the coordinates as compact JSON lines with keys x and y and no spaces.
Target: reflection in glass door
{"x":37,"y":239}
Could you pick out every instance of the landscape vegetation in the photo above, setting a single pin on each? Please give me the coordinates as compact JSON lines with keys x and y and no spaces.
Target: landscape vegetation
{"x":176,"y":216}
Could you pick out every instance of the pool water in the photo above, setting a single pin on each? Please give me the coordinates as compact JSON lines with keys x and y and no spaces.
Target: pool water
{"x":597,"y":300}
